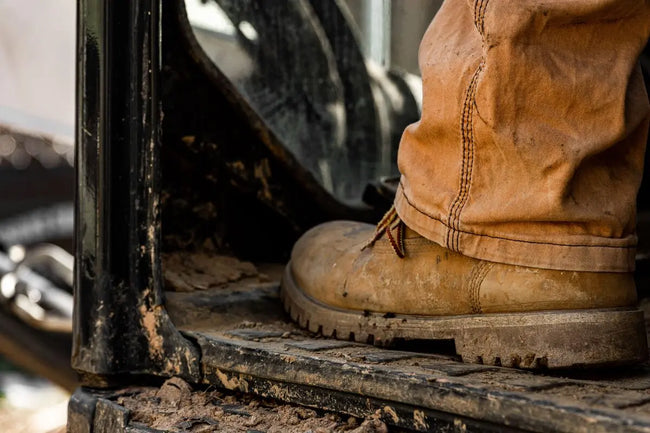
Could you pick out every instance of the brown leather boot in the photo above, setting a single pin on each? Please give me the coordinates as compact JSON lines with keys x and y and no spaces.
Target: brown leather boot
{"x":340,"y":284}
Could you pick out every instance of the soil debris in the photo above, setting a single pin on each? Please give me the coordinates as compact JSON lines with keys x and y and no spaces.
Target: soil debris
{"x":174,"y":391}
{"x":186,"y":272}
{"x":371,"y":426}
{"x":177,"y":407}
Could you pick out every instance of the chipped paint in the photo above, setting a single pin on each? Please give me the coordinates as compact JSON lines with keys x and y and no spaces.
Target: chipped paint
{"x":420,"y":420}
{"x":460,"y":426}
{"x":288,"y":358}
{"x":238,"y":167}
{"x":234,"y":383}
{"x":188,"y":139}
{"x":262,"y":171}
{"x":149,"y":320}
{"x":391,"y":412}
{"x":280,"y":393}
{"x":174,"y":367}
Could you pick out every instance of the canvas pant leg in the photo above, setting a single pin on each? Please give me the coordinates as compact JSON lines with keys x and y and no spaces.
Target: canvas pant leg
{"x":531,"y":142}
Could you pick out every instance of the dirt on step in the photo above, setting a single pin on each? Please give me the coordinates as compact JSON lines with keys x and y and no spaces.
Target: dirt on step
{"x":186,"y":272}
{"x":177,"y":407}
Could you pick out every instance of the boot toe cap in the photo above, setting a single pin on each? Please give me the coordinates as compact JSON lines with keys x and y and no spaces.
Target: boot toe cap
{"x":321,"y":258}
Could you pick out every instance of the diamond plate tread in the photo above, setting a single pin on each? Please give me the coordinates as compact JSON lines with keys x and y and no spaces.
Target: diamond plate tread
{"x":457,"y":368}
{"x":387,"y":356}
{"x":254,"y":334}
{"x":319,"y":345}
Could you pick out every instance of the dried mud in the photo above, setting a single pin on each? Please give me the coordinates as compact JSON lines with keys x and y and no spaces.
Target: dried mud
{"x":177,"y":407}
{"x":187,"y":272}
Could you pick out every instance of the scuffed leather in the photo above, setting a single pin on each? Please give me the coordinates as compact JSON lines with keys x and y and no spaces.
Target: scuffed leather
{"x":328,"y":264}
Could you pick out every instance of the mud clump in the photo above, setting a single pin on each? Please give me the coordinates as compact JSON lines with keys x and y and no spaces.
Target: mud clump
{"x":177,"y":407}
{"x":187,"y":272}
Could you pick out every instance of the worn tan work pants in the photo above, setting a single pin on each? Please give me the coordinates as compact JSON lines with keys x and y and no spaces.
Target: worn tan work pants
{"x":531,"y":143}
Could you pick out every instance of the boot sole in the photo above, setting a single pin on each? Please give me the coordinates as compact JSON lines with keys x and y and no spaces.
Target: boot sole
{"x":536,"y":340}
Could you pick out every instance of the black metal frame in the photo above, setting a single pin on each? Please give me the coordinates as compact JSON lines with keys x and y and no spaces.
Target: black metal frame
{"x":120,"y":323}
{"x":217,"y":155}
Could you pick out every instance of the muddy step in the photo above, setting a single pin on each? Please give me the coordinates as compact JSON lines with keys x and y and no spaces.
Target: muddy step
{"x":252,"y":346}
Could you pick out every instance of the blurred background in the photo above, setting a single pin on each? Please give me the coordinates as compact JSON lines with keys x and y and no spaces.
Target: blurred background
{"x":37,"y":99}
{"x":37,"y":129}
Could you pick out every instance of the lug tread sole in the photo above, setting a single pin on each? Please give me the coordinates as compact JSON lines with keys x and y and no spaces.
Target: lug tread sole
{"x":536,"y":340}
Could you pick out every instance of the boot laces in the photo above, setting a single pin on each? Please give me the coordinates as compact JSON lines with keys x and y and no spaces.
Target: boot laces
{"x":390,"y":223}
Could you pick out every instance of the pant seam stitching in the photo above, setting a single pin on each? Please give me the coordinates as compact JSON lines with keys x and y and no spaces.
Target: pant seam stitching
{"x":408,"y":201}
{"x":467,"y":139}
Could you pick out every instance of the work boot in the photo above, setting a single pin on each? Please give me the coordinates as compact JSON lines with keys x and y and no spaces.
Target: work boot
{"x":349,"y":281}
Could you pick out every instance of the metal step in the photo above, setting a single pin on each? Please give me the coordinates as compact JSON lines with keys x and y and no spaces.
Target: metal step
{"x":248,"y":344}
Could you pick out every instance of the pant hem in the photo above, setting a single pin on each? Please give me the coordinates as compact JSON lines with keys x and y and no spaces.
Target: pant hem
{"x":587,"y":258}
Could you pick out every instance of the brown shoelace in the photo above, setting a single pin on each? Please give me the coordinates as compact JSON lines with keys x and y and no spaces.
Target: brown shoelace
{"x":389,"y":223}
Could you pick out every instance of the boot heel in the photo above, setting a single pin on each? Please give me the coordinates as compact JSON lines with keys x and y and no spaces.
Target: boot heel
{"x":558,"y":339}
